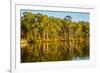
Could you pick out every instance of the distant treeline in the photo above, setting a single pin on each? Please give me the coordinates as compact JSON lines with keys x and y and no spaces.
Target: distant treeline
{"x":40,"y":27}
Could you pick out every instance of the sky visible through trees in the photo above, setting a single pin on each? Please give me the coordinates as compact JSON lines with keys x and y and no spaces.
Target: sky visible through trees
{"x":54,"y":36}
{"x":77,"y":16}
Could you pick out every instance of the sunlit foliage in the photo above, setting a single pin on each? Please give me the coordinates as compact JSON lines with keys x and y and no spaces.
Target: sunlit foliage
{"x":39,"y":30}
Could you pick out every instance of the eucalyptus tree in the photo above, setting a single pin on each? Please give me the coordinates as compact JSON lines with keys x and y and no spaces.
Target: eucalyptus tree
{"x":26,"y":22}
{"x":85,"y":29}
{"x":55,"y":27}
{"x":67,"y":27}
{"x":41,"y":27}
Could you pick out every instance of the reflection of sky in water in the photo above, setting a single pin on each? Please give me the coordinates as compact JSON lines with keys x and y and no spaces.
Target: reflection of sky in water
{"x":76,"y":16}
{"x":78,"y":58}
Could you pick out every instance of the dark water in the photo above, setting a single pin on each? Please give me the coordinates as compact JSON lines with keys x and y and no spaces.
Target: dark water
{"x":55,"y":51}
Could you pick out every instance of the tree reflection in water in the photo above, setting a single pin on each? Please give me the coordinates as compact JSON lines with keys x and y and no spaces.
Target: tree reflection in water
{"x":55,"y":51}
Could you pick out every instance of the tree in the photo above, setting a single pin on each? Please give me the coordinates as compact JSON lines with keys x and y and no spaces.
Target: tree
{"x":43,"y":27}
{"x":68,"y":18}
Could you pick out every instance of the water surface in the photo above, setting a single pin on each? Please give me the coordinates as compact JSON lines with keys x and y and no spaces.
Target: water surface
{"x":55,"y":51}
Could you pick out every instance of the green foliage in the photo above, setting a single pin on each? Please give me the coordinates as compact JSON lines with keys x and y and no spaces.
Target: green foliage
{"x":41,"y":27}
{"x":53,"y":38}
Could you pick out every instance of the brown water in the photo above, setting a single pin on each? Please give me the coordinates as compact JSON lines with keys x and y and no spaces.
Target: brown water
{"x":55,"y":51}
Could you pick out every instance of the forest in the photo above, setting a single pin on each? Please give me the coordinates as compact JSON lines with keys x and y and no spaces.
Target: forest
{"x":40,"y":28}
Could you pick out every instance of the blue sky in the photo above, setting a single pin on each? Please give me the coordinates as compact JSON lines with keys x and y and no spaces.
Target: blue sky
{"x":76,"y":16}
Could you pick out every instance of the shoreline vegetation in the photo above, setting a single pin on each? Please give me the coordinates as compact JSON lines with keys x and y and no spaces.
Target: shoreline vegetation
{"x":40,"y":33}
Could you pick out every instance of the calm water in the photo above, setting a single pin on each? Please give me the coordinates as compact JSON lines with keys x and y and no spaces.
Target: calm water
{"x":55,"y":51}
